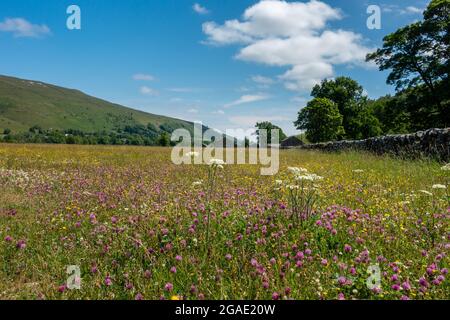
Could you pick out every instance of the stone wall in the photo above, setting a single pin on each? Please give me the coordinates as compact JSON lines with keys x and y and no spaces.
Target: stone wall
{"x":433,"y":143}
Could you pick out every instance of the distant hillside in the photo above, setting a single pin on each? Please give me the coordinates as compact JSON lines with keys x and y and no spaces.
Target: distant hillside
{"x":26,"y":103}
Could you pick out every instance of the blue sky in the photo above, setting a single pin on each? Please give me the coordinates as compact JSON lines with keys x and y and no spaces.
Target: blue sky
{"x":225,"y":63}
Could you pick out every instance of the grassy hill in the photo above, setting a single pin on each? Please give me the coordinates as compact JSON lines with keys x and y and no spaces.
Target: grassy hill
{"x":26,"y":103}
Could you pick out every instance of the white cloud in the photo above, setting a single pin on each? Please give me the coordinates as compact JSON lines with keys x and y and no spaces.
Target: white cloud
{"x":21,"y":28}
{"x":182,"y":90}
{"x":243,"y":89}
{"x":249,"y":98}
{"x":200,"y":9}
{"x":149,"y":91}
{"x":221,"y":112}
{"x":413,"y":10}
{"x":392,"y":8}
{"x":262,"y":80}
{"x":293,"y":35}
{"x":305,"y":76}
{"x":143,"y":77}
{"x":193,"y":110}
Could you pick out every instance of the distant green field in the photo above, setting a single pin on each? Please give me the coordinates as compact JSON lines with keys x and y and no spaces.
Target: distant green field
{"x":25,"y":103}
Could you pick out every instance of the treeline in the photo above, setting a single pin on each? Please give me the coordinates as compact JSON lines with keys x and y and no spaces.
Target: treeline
{"x":137,"y":135}
{"x":418,"y":59}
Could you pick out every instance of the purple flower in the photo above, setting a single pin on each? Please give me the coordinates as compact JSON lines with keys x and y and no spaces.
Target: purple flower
{"x":423,"y":282}
{"x":147,"y":274}
{"x":275,"y":296}
{"x":347,"y":248}
{"x":129,"y":286}
{"x":228,"y":257}
{"x":139,"y":296}
{"x":173,"y":270}
{"x":168,"y":287}
{"x":178,"y":258}
{"x":8,"y":238}
{"x":406,"y":286}
{"x":377,"y":290}
{"x":342,"y":281}
{"x":108,"y":281}
{"x":21,"y":244}
{"x":62,"y":288}
{"x":300,"y":255}
{"x":395,"y":287}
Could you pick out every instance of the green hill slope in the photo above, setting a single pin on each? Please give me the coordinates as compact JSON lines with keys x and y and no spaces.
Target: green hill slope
{"x":26,"y":103}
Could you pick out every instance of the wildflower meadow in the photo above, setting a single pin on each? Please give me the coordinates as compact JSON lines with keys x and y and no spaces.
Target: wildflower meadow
{"x":91,"y":222}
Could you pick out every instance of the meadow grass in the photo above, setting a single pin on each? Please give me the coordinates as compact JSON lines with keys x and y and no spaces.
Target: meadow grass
{"x":140,"y":227}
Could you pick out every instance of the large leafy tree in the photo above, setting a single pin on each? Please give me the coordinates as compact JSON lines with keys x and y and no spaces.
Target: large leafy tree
{"x":349,"y":97}
{"x":391,"y":113}
{"x":321,"y":120}
{"x":269,"y":126}
{"x":418,"y":58}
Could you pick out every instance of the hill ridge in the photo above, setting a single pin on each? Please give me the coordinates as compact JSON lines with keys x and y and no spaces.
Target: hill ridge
{"x":26,"y":103}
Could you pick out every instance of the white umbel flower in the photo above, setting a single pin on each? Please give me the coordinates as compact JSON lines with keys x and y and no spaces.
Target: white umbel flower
{"x":304,"y":178}
{"x":315,"y":177}
{"x":296,"y":170}
{"x":216,"y":163}
{"x":428,"y":193}
{"x":439,"y":186}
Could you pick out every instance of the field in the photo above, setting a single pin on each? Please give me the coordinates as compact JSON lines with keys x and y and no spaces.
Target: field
{"x":140,"y":227}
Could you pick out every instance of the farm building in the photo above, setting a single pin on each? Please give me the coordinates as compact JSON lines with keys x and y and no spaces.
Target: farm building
{"x":291,"y":142}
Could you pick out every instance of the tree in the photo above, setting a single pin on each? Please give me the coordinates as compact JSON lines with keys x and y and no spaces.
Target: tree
{"x":392,"y":114}
{"x":7,"y":131}
{"x":70,"y":139}
{"x":36,"y":129}
{"x":349,"y":97}
{"x":164,"y":139}
{"x":321,"y":120}
{"x":418,"y":56}
{"x":266,"y":125}
{"x":151,"y":127}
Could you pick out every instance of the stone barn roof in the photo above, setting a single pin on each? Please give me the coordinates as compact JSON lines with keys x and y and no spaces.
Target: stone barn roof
{"x":291,"y":142}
